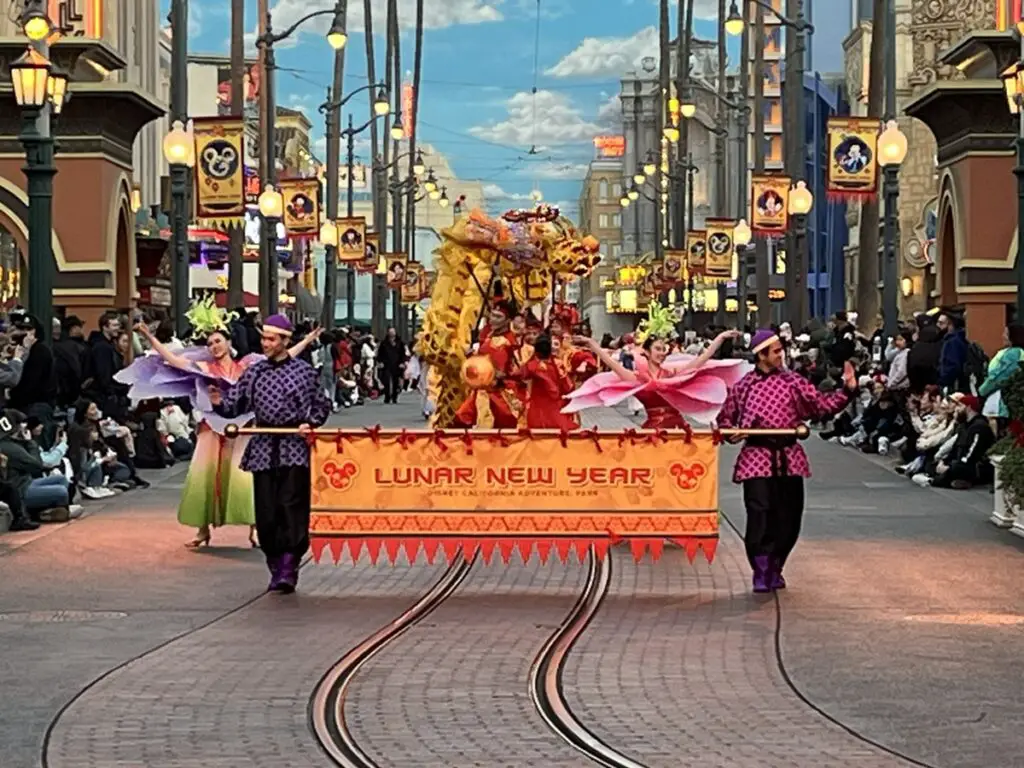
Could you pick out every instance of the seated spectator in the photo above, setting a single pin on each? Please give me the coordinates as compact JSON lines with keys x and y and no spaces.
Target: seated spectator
{"x":95,"y":463}
{"x":150,"y":451}
{"x":173,"y":424}
{"x":966,"y":463}
{"x":46,"y":498}
{"x":10,"y":496}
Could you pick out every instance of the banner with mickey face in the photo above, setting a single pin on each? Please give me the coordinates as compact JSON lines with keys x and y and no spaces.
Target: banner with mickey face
{"x":696,"y":254}
{"x":720,"y":248}
{"x":220,"y":172}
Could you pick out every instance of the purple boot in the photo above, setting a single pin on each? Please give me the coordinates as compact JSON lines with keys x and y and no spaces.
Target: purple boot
{"x":274,"y":566}
{"x":777,"y":581}
{"x":289,"y":574}
{"x":762,"y":574}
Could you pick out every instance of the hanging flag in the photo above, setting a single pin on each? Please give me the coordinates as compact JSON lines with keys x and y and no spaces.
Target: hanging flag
{"x":769,"y":201}
{"x":853,"y":163}
{"x":427,"y":284}
{"x":397,"y":263}
{"x":719,"y":249}
{"x":371,"y":259}
{"x":220,"y":173}
{"x":696,"y":254}
{"x":674,"y":263}
{"x":657,"y":273}
{"x":301,"y":207}
{"x":413,"y":286}
{"x":351,"y":240}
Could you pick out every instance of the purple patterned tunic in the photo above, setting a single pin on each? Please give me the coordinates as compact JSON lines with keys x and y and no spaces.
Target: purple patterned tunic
{"x":778,"y":400}
{"x":281,"y":394}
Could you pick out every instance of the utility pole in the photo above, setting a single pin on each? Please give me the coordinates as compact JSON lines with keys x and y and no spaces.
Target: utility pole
{"x":762,"y":257}
{"x":396,"y":207}
{"x":412,"y":123}
{"x":350,"y":164}
{"x":742,"y":158}
{"x":377,"y":308}
{"x":236,"y":243}
{"x":890,"y":186}
{"x":796,"y":158}
{"x":677,"y":184}
{"x":268,"y":250}
{"x":334,"y":94}
{"x":721,"y":137}
{"x":179,"y":173}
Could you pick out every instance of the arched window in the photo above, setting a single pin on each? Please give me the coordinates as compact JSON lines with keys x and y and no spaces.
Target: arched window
{"x":602,"y":190}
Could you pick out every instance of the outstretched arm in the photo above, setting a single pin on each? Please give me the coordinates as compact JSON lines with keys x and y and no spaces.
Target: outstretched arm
{"x":708,"y":353}
{"x":161,"y":349}
{"x":613,"y":365}
{"x":297,"y":349}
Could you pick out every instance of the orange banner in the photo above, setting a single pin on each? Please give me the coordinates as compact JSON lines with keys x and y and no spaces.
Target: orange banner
{"x":514,"y":492}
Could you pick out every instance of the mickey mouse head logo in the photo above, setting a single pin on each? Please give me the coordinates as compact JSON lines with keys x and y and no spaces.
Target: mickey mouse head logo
{"x":688,"y":476}
{"x":719,"y":242}
{"x":340,"y":476}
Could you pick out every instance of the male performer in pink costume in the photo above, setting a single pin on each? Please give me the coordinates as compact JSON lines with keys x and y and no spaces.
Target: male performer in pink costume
{"x":772,"y":469}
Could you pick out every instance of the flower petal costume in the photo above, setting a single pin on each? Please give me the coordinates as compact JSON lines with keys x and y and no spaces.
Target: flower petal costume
{"x":217,"y":491}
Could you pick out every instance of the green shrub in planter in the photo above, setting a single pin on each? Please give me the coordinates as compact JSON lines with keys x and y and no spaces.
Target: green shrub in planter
{"x":1011,"y":447}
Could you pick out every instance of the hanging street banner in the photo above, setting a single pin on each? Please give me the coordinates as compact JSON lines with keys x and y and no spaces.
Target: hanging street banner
{"x":427,"y":284}
{"x":220,"y":173}
{"x":371,"y":260}
{"x":544,"y":493}
{"x":769,"y":199}
{"x":696,"y":254}
{"x":301,"y":208}
{"x":396,"y":264}
{"x":412,"y":289}
{"x":351,"y":240}
{"x":674,"y":263}
{"x":719,"y":248}
{"x":853,"y":161}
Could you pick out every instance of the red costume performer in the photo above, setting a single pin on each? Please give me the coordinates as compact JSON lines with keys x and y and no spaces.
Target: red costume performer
{"x":498,"y":407}
{"x":578,"y":363}
{"x":546,"y":388}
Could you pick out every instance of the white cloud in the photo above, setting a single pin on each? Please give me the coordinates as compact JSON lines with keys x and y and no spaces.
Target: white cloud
{"x":609,"y":114}
{"x":437,"y":14}
{"x":492,"y":192}
{"x":556,"y":171}
{"x":549,"y":119}
{"x":607,"y":56}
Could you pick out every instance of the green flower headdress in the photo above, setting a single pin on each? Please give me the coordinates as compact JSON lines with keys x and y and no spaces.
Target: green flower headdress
{"x":660,"y":323}
{"x":206,"y":317}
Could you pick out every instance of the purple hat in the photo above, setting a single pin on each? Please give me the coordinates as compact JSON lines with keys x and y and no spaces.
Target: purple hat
{"x":278,"y":324}
{"x":763,"y":339}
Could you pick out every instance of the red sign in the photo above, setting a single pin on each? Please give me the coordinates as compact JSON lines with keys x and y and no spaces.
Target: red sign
{"x":610,"y":146}
{"x":408,"y":118}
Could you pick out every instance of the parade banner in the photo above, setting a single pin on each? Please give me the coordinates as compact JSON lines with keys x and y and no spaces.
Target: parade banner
{"x":427,"y":281}
{"x":769,"y":201}
{"x":301,"y":208}
{"x":351,"y":240}
{"x":220,"y":172}
{"x":412,"y":289}
{"x":719,"y":249}
{"x":403,"y":490}
{"x":396,"y":263}
{"x":674,"y":263}
{"x":696,"y":254}
{"x":853,"y":163}
{"x":371,"y":258}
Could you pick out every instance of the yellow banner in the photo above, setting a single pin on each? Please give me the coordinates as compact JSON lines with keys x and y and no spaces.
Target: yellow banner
{"x":674,"y":263}
{"x":519,"y":489}
{"x":301,"y":207}
{"x":769,"y":200}
{"x":719,"y":248}
{"x":220,"y":174}
{"x":427,"y":281}
{"x":696,"y":254}
{"x":396,"y":263}
{"x":412,"y":288}
{"x":853,"y":163}
{"x":351,"y":240}
{"x":371,"y":260}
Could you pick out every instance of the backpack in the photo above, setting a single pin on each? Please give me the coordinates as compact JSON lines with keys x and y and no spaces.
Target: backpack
{"x":975,"y":367}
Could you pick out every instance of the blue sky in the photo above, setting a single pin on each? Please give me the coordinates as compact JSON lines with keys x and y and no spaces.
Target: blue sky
{"x":478,"y":71}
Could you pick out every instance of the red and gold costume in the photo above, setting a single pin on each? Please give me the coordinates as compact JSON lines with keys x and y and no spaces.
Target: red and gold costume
{"x":577,"y":364}
{"x":498,"y":407}
{"x":546,"y":387}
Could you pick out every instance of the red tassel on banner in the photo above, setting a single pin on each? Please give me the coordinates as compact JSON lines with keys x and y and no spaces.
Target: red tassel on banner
{"x":374,"y":433}
{"x":615,"y":538}
{"x":639,"y":547}
{"x":505,"y":547}
{"x":451,"y":548}
{"x":487,"y":550}
{"x":689,"y":432}
{"x":562,"y":547}
{"x":339,"y":444}
{"x":601,"y":548}
{"x":373,"y":547}
{"x":581,"y":546}
{"x":690,"y":545}
{"x":563,"y":438}
{"x":412,"y":549}
{"x":467,"y":440}
{"x":592,"y":434}
{"x":525,"y":547}
{"x":501,"y":440}
{"x":710,"y":546}
{"x":405,"y":439}
{"x":355,"y":549}
{"x":311,"y":438}
{"x":716,"y":436}
{"x":656,"y":546}
{"x":430,"y":549}
{"x":544,"y":551}
{"x":391,"y":547}
{"x":627,"y":434}
{"x":439,"y":440}
{"x":469,"y":548}
{"x":317,"y":546}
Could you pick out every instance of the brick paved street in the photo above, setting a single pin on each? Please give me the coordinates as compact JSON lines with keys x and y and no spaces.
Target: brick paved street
{"x":902,"y":622}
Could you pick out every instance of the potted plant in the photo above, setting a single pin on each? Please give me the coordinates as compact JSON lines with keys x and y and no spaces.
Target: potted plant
{"x":1007,"y":457}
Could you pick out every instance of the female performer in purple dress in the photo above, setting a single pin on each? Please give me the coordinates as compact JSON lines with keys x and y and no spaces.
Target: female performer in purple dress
{"x":772,"y":469}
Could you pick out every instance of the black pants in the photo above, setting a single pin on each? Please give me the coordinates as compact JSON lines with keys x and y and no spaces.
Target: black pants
{"x":282,"y":510}
{"x":775,"y":509}
{"x":392,"y":384}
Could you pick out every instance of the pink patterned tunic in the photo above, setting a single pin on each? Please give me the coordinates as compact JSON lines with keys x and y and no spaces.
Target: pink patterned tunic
{"x":777,"y":400}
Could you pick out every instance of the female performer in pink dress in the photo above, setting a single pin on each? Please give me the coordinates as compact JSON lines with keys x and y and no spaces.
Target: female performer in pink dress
{"x":670,"y":387}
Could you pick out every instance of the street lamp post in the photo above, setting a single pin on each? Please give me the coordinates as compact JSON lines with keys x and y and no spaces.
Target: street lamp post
{"x":336,"y":37}
{"x":892,"y":149}
{"x":800,"y":203}
{"x":179,"y":150}
{"x":1013,"y":80}
{"x":29,"y":76}
{"x":331,"y":109}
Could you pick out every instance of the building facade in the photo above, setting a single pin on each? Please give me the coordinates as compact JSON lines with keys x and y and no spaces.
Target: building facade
{"x":601,"y":215}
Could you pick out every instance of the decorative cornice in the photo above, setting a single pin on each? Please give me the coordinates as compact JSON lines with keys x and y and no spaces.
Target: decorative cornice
{"x":983,"y":53}
{"x":965,"y":116}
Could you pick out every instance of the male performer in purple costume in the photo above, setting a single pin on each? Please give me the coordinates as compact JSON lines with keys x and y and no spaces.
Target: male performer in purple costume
{"x":772,"y":469}
{"x":281,"y":392}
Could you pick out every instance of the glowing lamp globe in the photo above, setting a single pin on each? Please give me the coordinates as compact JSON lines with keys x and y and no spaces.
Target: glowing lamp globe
{"x":741,"y":233}
{"x":271,"y":203}
{"x":179,"y":145}
{"x":337,"y":37}
{"x":381,"y":105}
{"x":892,"y":145}
{"x":478,"y":372}
{"x":36,"y":26}
{"x":734,"y":22}
{"x":800,"y":199}
{"x":329,"y":233}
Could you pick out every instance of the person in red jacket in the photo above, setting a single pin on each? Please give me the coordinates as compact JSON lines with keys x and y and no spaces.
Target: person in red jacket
{"x":546,"y":388}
